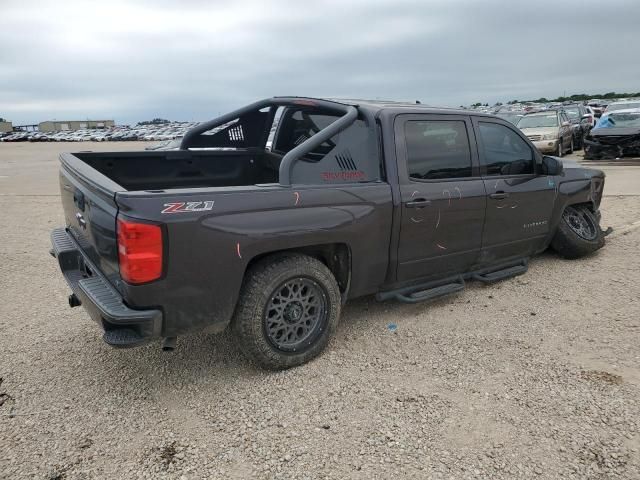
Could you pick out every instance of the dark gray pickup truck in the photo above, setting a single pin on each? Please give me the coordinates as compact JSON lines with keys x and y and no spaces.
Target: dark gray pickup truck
{"x":270,"y":217}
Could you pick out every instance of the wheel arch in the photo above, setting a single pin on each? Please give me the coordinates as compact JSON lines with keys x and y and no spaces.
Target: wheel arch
{"x":335,"y":256}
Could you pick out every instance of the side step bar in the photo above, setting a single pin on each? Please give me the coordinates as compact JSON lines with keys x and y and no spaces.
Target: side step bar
{"x":423,"y":293}
{"x":502,"y":273}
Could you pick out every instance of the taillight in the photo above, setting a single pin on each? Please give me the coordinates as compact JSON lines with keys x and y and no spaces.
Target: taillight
{"x":139,"y":251}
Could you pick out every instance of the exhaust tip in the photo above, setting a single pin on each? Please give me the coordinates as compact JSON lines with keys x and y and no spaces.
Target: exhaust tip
{"x":169,"y":344}
{"x":74,"y":301}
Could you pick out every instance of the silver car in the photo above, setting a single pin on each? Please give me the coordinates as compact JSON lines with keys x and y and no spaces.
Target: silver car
{"x":550,"y":131}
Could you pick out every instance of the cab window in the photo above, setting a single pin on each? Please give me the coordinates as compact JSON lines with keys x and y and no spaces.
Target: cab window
{"x":437,"y":149}
{"x":505,"y":152}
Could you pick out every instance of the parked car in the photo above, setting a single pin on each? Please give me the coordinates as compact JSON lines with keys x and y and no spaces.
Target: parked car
{"x":581,"y":121}
{"x":616,"y":135}
{"x":352,"y":198}
{"x":598,"y":107}
{"x":622,"y":105}
{"x":166,"y":145}
{"x":550,"y":131}
{"x":590,"y":116}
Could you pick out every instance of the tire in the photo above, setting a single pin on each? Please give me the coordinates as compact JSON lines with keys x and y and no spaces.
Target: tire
{"x":278,"y":294}
{"x":560,"y":151}
{"x":578,"y":233}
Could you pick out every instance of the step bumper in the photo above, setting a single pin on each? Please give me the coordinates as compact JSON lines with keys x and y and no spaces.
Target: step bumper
{"x":124,"y":326}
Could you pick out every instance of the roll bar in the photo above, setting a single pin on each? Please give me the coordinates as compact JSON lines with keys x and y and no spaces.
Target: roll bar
{"x":349,"y":115}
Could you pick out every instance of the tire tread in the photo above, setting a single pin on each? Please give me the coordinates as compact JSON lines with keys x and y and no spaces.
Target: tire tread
{"x":570,"y":245}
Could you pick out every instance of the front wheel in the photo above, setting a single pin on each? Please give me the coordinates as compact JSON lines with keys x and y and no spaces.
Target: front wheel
{"x":578,"y":233}
{"x":560,"y":151}
{"x":287,"y":311}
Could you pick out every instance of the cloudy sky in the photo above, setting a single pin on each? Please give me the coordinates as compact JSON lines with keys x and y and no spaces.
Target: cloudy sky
{"x":192,"y":59}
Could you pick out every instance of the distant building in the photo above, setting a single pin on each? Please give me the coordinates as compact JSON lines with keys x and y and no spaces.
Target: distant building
{"x":6,"y":127}
{"x":67,"y":125}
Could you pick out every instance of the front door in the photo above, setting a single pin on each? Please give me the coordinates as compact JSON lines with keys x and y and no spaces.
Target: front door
{"x":519,"y":199}
{"x":443,"y":196}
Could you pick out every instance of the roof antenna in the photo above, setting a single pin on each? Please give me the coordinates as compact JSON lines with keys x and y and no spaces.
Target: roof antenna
{"x":418,"y":102}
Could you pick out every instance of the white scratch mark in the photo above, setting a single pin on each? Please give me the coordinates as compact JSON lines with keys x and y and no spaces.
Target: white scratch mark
{"x":449,"y":193}
{"x":238,"y":249}
{"x":440,"y":246}
{"x":438,"y":222}
{"x":414,"y":220}
{"x":414,"y":194}
{"x":297,"y":198}
{"x":500,"y":206}
{"x":459,"y":193}
{"x":515,"y":205}
{"x":496,"y":185}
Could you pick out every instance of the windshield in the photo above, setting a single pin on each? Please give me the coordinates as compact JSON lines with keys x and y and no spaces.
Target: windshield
{"x":627,"y":119}
{"x":535,"y":121}
{"x":510,"y":117}
{"x":622,"y":106}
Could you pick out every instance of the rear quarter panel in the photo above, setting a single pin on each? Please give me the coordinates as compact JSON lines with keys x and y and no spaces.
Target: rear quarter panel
{"x":208,"y":252}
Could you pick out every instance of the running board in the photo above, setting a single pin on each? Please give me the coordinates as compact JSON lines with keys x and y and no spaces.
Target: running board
{"x":503,"y":273}
{"x":419,"y":293}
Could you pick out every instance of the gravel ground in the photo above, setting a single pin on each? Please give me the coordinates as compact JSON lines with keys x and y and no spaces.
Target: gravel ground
{"x":533,"y":377}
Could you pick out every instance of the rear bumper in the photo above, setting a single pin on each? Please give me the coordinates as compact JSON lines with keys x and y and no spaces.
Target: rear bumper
{"x":124,"y":326}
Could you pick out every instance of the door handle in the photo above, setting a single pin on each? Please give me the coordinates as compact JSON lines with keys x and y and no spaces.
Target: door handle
{"x":499,"y":195}
{"x":418,"y":203}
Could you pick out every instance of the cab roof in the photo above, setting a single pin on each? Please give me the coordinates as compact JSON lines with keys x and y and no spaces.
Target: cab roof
{"x":378,"y":105}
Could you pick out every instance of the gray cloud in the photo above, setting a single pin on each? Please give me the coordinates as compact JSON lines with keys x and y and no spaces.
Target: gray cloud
{"x":192,"y":60}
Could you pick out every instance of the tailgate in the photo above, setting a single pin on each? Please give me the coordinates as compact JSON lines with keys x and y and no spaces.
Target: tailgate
{"x":88,"y":200}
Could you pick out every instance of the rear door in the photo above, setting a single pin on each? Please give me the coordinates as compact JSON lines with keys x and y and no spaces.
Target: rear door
{"x":519,"y":199}
{"x":443,"y":196}
{"x":566,"y":129}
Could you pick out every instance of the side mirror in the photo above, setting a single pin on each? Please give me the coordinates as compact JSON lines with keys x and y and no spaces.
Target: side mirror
{"x":565,"y":124}
{"x":551,"y":166}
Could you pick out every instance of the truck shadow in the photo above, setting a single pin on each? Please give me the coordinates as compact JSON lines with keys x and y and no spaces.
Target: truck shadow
{"x":200,"y":356}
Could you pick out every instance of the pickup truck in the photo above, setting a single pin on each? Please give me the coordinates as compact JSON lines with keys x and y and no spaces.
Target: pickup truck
{"x":271,"y":217}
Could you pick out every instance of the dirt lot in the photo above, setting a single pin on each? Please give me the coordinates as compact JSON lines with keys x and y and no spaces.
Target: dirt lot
{"x":534,"y":377}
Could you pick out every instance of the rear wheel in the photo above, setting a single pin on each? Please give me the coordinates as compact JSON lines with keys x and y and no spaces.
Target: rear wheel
{"x":288,"y":308}
{"x":578,"y":233}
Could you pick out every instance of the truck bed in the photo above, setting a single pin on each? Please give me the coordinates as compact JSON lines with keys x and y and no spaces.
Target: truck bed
{"x":160,"y":170}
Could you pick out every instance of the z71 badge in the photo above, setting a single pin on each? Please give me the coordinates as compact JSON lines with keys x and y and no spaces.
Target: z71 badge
{"x":186,"y":207}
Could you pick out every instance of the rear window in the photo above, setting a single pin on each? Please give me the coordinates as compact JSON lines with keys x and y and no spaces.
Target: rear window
{"x":622,"y":106}
{"x":437,"y":149}
{"x":573,"y":112}
{"x":349,"y":156}
{"x":301,"y":126}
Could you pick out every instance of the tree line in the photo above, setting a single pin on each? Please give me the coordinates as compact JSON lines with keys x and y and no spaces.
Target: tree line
{"x":580,"y":97}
